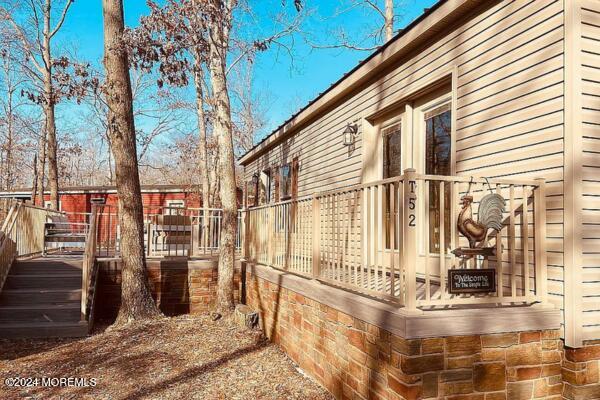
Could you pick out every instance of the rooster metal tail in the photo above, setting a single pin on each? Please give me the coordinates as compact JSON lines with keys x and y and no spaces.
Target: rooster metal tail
{"x":491,"y":209}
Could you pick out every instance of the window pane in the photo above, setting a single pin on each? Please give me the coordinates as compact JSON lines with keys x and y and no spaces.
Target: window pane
{"x":392,"y":151}
{"x":286,"y":174}
{"x":392,"y":157}
{"x":437,"y":162}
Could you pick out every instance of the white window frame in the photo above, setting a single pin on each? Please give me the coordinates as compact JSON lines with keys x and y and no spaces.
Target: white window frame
{"x":48,"y":204}
{"x":173,"y":203}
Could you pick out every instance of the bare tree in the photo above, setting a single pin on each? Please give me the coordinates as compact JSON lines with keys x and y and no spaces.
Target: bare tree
{"x":11,"y":86}
{"x":34,"y":25}
{"x":136,"y":300}
{"x":383,"y":12}
{"x":172,"y":36}
{"x":18,"y":120}
{"x":193,"y":37}
{"x":249,"y":107}
{"x":36,"y":34}
{"x":219,"y":17}
{"x":219,"y":20}
{"x":157,"y":113}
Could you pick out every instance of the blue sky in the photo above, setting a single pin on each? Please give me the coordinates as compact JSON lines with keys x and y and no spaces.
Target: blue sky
{"x":287,"y":86}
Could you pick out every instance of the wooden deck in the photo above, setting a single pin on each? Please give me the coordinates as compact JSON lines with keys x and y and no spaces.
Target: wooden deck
{"x":375,"y":281}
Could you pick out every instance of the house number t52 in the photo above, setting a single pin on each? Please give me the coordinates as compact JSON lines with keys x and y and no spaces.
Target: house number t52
{"x":412,"y":204}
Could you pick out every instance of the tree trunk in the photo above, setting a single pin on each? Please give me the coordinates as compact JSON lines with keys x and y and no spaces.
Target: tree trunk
{"x":52,"y":150}
{"x":49,"y":101}
{"x":9,"y":117}
{"x":9,"y":158}
{"x":202,"y":153}
{"x":136,"y":300}
{"x":34,"y":181}
{"x":389,"y":20}
{"x":41,"y":169}
{"x":218,"y":44}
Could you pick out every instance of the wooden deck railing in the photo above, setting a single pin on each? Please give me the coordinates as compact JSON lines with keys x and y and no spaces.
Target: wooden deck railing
{"x":8,"y":247}
{"x":393,"y":239}
{"x":27,"y":228}
{"x":22,"y":234}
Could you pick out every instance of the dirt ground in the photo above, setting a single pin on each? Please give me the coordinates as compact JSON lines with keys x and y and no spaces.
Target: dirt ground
{"x":188,"y":357}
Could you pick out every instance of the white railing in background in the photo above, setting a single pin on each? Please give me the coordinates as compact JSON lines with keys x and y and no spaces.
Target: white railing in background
{"x":67,"y":230}
{"x":375,"y":239}
{"x":168,"y":231}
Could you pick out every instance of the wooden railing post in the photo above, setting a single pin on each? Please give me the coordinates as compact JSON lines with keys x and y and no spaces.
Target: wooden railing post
{"x":89,"y":257}
{"x":541,"y":281}
{"x":410,"y":250}
{"x":316,"y":237}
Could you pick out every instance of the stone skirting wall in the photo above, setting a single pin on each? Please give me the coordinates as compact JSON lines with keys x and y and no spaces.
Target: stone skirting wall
{"x":357,"y":360}
{"x":178,"y":286}
{"x":580,"y":372}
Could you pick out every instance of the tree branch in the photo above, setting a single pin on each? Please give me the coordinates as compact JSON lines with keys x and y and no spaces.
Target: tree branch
{"x":62,"y":18}
{"x":375,"y":7}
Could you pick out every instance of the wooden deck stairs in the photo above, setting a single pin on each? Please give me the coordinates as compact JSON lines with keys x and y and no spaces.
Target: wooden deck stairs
{"x":42,"y":298}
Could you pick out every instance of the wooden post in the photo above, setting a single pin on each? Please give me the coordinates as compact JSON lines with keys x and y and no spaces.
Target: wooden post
{"x":316,"y":237}
{"x":194,"y":244}
{"x":148,"y":238}
{"x":270,"y":236}
{"x":410,"y":250}
{"x":89,"y":258}
{"x":541,"y":281}
{"x":245,"y":229}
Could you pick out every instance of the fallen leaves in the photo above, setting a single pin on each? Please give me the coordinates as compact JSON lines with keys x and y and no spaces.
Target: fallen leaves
{"x":190,"y":357}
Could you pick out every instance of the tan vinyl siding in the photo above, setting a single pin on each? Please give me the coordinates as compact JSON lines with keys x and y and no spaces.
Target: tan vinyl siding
{"x":509,"y":64}
{"x":590,"y":73}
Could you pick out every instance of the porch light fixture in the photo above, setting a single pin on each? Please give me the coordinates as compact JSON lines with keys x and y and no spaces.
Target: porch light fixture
{"x":350,"y":134}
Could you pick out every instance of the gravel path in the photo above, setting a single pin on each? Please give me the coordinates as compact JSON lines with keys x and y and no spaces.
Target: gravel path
{"x":188,"y":357}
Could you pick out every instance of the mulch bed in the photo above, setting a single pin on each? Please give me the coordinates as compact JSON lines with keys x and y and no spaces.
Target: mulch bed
{"x":187,"y":357}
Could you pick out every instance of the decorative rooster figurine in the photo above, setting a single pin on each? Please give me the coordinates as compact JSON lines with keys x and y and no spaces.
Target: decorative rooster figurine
{"x":491,"y":209}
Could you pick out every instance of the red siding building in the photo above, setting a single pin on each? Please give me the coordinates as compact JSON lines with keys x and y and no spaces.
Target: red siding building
{"x":80,"y":199}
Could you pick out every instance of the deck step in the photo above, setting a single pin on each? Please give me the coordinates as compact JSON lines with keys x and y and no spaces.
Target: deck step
{"x":41,"y":298}
{"x":44,"y":271}
{"x":21,"y":330}
{"x":67,"y":312}
{"x":54,"y":281}
{"x":52,"y":265}
{"x":18,"y":297}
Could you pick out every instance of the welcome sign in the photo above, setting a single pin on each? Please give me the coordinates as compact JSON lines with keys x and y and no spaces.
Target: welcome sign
{"x":471,"y":281}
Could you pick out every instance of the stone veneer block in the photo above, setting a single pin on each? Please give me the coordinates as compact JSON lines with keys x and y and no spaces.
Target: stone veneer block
{"x":525,"y":354}
{"x":489,"y":377}
{"x":520,"y":390}
{"x":463,"y":345}
{"x":500,"y":340}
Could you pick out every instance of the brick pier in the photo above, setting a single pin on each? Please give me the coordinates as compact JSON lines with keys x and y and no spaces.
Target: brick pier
{"x":179,"y":286}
